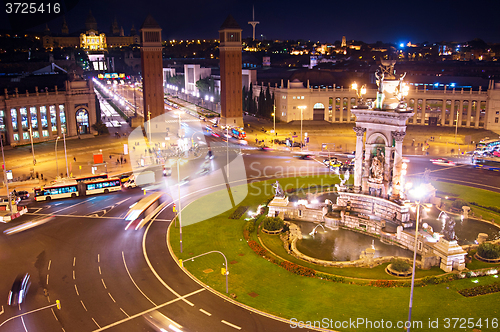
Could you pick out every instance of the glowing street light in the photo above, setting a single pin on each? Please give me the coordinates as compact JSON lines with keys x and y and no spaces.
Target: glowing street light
{"x":360,"y":92}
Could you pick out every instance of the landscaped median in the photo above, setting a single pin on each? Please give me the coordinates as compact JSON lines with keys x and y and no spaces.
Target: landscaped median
{"x":270,"y":287}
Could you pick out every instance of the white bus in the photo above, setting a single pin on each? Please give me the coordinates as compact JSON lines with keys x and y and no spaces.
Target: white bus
{"x":102,"y":186}
{"x":57,"y":191}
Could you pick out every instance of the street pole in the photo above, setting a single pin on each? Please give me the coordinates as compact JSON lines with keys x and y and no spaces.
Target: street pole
{"x":274,"y":121}
{"x":5,"y":176}
{"x":57,"y":165}
{"x":456,"y":129}
{"x":32,"y":149}
{"x":225,"y":261}
{"x":65,"y":154}
{"x":227,"y":154}
{"x":179,"y":193}
{"x":301,"y":130}
{"x":413,"y":269}
{"x":149,"y":125}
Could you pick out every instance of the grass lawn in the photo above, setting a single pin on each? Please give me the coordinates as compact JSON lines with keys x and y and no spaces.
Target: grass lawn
{"x":282,"y":293}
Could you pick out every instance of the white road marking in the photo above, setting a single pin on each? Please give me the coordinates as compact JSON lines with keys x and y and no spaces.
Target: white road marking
{"x":24,"y":325}
{"x":48,"y":268}
{"x":206,"y":312}
{"x":120,"y":202}
{"x":232,"y":325}
{"x":126,"y":268}
{"x":124,"y":312}
{"x":67,"y":207}
{"x":1,"y":312}
{"x":111,"y":297}
{"x":103,"y":284}
{"x":76,"y":289}
{"x":83,"y":305}
{"x":96,"y":323}
{"x":98,"y":258}
{"x":74,"y":261}
{"x":74,"y":275}
{"x":54,"y":314}
{"x":99,"y":270}
{"x":47,"y":279}
{"x":149,"y":310}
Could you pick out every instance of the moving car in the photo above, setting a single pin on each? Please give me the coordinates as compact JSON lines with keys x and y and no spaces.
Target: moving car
{"x":19,"y":289}
{"x":442,"y":161}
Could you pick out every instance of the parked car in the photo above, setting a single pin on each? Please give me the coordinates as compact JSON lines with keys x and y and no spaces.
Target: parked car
{"x":19,"y":289}
{"x":23,"y":194}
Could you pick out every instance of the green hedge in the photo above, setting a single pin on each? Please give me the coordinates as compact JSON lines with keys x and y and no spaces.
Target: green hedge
{"x":240,"y":210}
{"x":273,"y":223}
{"x":400,"y":265}
{"x":489,"y":250}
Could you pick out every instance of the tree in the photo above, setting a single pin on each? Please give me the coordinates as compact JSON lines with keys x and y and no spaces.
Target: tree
{"x":100,"y":128}
{"x":177,"y":80}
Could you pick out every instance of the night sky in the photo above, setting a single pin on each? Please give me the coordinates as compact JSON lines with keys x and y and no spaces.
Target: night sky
{"x":389,"y":21}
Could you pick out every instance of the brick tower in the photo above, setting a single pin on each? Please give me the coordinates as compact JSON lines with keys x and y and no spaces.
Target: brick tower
{"x":230,"y":73}
{"x":152,"y":68}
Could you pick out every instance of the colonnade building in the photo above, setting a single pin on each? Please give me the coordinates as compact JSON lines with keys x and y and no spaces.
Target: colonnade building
{"x":46,"y":112}
{"x":473,"y":109}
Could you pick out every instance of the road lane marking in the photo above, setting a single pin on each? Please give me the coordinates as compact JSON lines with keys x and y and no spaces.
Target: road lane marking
{"x":1,"y":312}
{"x":111,"y":297}
{"x":149,"y":310}
{"x":74,"y":261}
{"x":124,"y":312}
{"x":206,"y":312}
{"x":85,"y":201}
{"x":83,"y":305}
{"x":126,"y":268}
{"x":52,"y":309}
{"x":232,"y":325}
{"x":103,"y":284}
{"x":76,"y":290}
{"x":24,"y":325}
{"x":48,"y":268}
{"x":96,"y":323}
{"x":47,"y":279}
{"x":74,"y":275}
{"x":99,"y":270}
{"x":98,"y":258}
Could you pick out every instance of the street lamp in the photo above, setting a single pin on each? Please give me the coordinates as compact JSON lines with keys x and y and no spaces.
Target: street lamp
{"x":5,"y":176}
{"x":65,"y":154}
{"x":274,"y":120}
{"x":456,"y":129}
{"x":360,"y":92}
{"x":57,"y":165}
{"x":418,"y":193}
{"x":302,"y":108}
{"x":32,"y":149}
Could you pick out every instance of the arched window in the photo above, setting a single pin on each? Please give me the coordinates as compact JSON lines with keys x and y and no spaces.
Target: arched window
{"x":82,"y":121}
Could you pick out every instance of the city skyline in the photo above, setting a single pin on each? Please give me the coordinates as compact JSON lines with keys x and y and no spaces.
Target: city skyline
{"x":326,"y":22}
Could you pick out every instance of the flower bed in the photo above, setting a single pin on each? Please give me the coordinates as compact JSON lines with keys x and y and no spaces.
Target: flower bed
{"x":393,"y":272}
{"x":486,"y":260}
{"x":480,"y":290}
{"x":238,"y":212}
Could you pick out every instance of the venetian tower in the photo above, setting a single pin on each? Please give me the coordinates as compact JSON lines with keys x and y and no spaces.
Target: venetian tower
{"x":152,"y":68}
{"x":230,"y":73}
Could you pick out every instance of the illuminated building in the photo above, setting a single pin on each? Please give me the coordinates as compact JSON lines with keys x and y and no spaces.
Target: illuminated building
{"x":49,"y":105}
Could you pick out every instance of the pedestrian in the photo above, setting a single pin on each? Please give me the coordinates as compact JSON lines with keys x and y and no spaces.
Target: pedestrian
{"x":74,"y":158}
{"x":41,"y":176}
{"x":117,"y":161}
{"x":121,"y":159}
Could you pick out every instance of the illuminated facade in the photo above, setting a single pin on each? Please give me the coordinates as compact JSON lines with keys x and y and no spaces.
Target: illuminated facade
{"x":47,"y":112}
{"x":93,"y":41}
{"x":472,"y":109}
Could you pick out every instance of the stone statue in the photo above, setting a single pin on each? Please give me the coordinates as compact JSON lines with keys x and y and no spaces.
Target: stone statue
{"x":449,"y":229}
{"x":278,"y":191}
{"x":377,"y":168}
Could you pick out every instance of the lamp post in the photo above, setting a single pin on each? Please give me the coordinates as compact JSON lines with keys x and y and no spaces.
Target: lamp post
{"x":360,"y":92}
{"x":456,"y":129}
{"x":65,"y":154}
{"x":32,"y":149}
{"x":5,"y":176}
{"x":274,"y":121}
{"x":57,"y":165}
{"x":419,"y":193}
{"x":302,"y":108}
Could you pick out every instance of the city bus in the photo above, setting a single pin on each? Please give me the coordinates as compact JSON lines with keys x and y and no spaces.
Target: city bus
{"x":100,"y":186}
{"x":57,"y":191}
{"x":238,"y":133}
{"x":141,"y":210}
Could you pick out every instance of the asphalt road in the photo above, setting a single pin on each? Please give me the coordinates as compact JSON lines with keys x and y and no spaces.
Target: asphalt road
{"x":107,"y":277}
